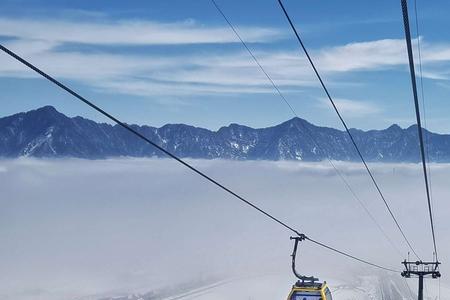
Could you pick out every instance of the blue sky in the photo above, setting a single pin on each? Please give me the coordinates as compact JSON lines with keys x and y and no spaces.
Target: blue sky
{"x":158,"y":62}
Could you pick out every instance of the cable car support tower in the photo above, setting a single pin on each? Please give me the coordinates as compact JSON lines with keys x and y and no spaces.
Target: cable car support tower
{"x":421,"y":269}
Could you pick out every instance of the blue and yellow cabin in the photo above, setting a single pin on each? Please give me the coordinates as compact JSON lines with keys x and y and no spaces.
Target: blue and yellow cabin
{"x":310,"y":291}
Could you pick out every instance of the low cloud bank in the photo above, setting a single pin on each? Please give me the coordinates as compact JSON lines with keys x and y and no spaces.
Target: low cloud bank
{"x":77,"y":228}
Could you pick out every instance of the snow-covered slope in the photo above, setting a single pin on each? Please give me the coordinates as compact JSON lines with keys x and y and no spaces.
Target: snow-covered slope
{"x":277,"y":286}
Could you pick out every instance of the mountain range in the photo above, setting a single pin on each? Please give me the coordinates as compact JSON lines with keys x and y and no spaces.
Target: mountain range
{"x":45,"y":132}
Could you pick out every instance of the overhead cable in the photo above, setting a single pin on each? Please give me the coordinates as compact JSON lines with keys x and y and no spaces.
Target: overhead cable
{"x":181,"y":161}
{"x":419,"y":124}
{"x":347,"y":129}
{"x":306,"y":129}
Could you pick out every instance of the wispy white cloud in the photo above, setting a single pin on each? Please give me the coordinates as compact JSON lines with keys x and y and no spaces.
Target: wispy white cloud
{"x":148,"y":87}
{"x":135,"y":73}
{"x":219,"y":71}
{"x":157,"y":74}
{"x":128,"y":32}
{"x":436,"y":75}
{"x":351,"y":107}
{"x":383,"y":54}
{"x":370,"y":55}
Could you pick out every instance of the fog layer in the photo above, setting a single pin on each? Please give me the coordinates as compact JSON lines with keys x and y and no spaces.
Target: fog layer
{"x":72,"y":229}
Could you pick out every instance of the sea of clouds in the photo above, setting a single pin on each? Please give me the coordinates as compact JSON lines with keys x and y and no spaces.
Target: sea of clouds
{"x":85,"y":229}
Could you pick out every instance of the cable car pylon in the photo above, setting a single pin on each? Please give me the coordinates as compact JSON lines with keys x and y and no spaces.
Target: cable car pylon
{"x":421,"y":269}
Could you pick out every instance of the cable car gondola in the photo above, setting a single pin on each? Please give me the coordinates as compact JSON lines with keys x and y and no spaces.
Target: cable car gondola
{"x":307,"y":288}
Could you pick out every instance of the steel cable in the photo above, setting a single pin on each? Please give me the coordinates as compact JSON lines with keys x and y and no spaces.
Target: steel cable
{"x":346,"y":128}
